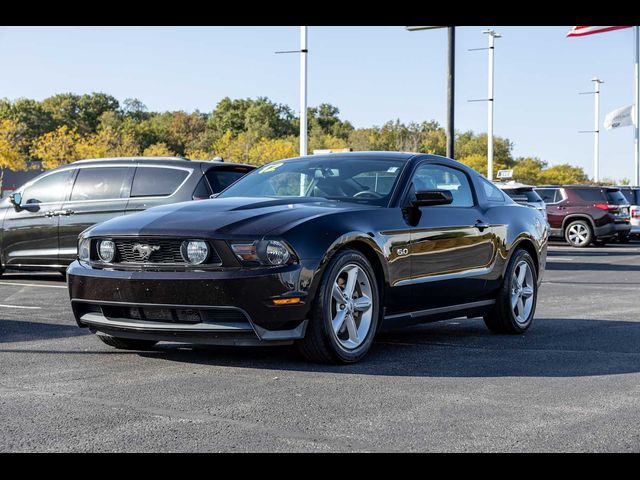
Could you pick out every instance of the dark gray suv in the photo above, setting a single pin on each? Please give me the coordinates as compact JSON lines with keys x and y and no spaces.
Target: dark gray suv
{"x":41,"y":220}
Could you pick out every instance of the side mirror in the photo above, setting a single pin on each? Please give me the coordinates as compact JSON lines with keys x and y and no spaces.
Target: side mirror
{"x":428,"y":198}
{"x":16,"y":198}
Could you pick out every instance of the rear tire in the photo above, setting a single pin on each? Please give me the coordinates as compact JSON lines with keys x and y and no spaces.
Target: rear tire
{"x":516,"y":301}
{"x":578,"y":234}
{"x":345,"y":316}
{"x":127,"y":343}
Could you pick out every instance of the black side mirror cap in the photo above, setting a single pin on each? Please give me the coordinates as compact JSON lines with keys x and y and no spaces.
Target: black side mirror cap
{"x":429,"y":198}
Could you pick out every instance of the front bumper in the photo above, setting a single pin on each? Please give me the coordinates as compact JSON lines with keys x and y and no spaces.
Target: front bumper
{"x":216,"y":307}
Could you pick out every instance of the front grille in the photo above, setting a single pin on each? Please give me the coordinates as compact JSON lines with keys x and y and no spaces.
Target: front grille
{"x":168,"y":251}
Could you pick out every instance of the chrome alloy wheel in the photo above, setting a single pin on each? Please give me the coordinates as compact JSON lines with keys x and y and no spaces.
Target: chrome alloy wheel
{"x":351,"y":306}
{"x":522,"y":292}
{"x":578,"y":234}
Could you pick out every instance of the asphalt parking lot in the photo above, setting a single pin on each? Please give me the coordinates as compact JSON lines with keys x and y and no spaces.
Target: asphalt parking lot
{"x":572,"y":383}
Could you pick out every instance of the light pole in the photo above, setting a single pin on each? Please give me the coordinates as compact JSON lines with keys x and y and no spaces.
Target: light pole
{"x":636,"y":111}
{"x":596,"y":128}
{"x":303,"y":88}
{"x":491,"y":48}
{"x":451,"y":60}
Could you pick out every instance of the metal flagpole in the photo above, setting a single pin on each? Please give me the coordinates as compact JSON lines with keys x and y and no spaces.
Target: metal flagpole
{"x":303,"y":90}
{"x":636,"y":151}
{"x":451,"y":91}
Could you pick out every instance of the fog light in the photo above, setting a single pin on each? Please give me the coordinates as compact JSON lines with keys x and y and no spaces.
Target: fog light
{"x":106,"y":250}
{"x":195,"y":251}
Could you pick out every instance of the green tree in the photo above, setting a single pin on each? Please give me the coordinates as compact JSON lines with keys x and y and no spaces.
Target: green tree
{"x":562,"y":174}
{"x":527,"y":170}
{"x":12,"y":139}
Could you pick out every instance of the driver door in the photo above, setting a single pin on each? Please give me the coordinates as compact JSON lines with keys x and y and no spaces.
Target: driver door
{"x":451,"y":245}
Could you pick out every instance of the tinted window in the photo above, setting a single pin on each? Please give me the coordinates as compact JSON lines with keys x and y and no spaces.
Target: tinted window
{"x":549,"y":195}
{"x":51,"y":188}
{"x":202,"y":190}
{"x":590,"y":194}
{"x":99,"y":183}
{"x":528,"y":193}
{"x":616,"y":197}
{"x":336,"y":178}
{"x":493,"y":193}
{"x":156,"y":181}
{"x":632,"y":195}
{"x":430,"y":177}
{"x":220,"y":179}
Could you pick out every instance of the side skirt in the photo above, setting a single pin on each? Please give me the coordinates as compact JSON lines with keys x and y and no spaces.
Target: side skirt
{"x":469,"y":310}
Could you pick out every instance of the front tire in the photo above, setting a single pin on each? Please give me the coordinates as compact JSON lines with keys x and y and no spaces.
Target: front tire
{"x":346,"y":313}
{"x":517,"y":298}
{"x":127,"y":343}
{"x":578,"y":234}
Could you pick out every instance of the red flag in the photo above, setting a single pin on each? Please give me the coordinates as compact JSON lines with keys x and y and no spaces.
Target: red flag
{"x":581,"y":31}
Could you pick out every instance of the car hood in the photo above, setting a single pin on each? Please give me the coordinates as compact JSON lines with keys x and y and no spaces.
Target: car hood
{"x":223,"y":217}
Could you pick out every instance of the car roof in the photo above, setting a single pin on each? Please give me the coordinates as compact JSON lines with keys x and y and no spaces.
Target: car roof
{"x":364,"y":155}
{"x":611,"y":187}
{"x":170,"y":161}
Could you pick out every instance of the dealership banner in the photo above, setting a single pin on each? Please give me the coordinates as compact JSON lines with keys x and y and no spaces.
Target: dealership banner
{"x":622,"y":117}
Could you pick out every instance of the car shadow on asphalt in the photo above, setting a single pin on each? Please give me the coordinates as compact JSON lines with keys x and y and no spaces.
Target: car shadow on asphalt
{"x":554,"y":347}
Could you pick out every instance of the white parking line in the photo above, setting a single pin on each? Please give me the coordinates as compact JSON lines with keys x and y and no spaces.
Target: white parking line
{"x":33,"y":285}
{"x":19,"y":306}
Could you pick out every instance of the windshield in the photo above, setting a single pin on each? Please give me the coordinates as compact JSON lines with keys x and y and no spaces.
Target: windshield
{"x":368,"y":181}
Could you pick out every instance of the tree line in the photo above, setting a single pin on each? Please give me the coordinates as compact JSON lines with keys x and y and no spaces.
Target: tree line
{"x":67,"y":127}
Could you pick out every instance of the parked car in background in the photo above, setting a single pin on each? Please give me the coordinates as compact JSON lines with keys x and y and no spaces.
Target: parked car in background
{"x":585,"y":215}
{"x":632,"y":194}
{"x":524,"y":195}
{"x":322,"y":251}
{"x":40,"y":221}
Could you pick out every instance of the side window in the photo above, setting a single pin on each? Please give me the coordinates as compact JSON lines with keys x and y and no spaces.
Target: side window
{"x":549,"y":195}
{"x":51,"y":188}
{"x":430,"y":177}
{"x":156,"y":181}
{"x":220,"y":179}
{"x":493,"y":193}
{"x":99,"y":183}
{"x":202,"y":190}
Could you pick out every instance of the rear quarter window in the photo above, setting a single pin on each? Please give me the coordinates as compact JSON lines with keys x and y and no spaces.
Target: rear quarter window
{"x":157,"y":181}
{"x":219,"y":179}
{"x":493,"y":193}
{"x":593,"y":195}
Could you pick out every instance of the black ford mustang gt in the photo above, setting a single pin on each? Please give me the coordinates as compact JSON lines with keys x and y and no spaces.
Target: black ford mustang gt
{"x":323,"y":251}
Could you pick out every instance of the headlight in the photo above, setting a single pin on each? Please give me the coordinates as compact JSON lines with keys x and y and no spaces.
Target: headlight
{"x":195,"y":251}
{"x":106,"y":250}
{"x":84,"y":249}
{"x":266,"y":252}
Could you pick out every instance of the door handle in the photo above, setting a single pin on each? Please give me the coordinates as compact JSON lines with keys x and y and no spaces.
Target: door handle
{"x":50,"y":213}
{"x":480,"y":225}
{"x":66,"y":212}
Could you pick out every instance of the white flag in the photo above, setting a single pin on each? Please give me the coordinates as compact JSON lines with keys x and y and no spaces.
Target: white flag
{"x":622,"y":117}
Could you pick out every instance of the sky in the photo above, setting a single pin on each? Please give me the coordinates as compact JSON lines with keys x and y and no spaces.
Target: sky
{"x":372,"y":74}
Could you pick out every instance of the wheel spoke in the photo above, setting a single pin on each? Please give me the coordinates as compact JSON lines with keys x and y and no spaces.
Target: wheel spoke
{"x":362,"y":304}
{"x":338,"y":321}
{"x":352,"y":279}
{"x":338,"y":295}
{"x":521,"y":273}
{"x":520,"y":308}
{"x":351,"y":328}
